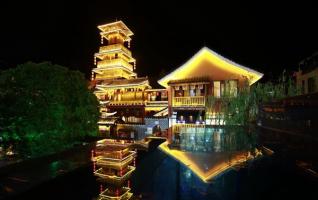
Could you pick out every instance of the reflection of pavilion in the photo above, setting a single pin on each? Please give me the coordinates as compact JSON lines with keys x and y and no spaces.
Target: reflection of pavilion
{"x":204,"y":138}
{"x":122,"y":194}
{"x":115,"y":168}
{"x":209,"y":151}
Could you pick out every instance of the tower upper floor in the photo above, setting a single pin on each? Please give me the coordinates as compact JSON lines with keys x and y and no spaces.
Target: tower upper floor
{"x":115,"y":32}
{"x":114,"y":58}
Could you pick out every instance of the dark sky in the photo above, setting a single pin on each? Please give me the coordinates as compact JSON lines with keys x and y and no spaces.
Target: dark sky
{"x":268,"y":38}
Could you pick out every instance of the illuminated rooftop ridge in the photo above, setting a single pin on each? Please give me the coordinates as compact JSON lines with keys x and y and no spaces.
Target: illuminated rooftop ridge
{"x":115,"y":27}
{"x":215,"y":58}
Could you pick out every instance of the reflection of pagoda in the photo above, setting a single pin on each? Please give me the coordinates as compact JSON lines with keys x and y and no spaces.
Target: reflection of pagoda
{"x":115,"y":168}
{"x":120,"y":92}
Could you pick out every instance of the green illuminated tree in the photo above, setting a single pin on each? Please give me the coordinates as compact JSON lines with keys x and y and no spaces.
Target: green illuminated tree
{"x":243,"y":108}
{"x":45,"y":107}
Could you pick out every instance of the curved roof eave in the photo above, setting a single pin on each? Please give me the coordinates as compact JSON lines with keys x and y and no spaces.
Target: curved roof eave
{"x":163,"y":81}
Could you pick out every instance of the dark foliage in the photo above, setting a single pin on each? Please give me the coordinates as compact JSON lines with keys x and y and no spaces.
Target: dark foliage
{"x":45,"y":108}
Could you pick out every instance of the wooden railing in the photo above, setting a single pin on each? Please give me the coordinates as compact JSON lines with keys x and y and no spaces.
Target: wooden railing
{"x":131,"y":96}
{"x":178,"y":127}
{"x":114,"y":47}
{"x":113,"y":62}
{"x":189,"y":101}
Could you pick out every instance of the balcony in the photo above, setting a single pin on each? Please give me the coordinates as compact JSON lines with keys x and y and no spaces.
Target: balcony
{"x":131,"y":96}
{"x":188,"y":101}
{"x":114,"y":47}
{"x":115,"y":62}
{"x":157,"y":103}
{"x":127,"y":98}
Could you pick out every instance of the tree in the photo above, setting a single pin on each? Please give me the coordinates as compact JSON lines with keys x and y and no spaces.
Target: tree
{"x":45,"y":107}
{"x":243,"y":108}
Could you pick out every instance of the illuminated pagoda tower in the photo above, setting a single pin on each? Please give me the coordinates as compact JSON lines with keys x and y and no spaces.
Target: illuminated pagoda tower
{"x":115,"y":165}
{"x":116,"y":85}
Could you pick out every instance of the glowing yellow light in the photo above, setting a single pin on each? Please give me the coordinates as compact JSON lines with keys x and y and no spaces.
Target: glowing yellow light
{"x":100,"y":173}
{"x":114,"y":48}
{"x":114,"y":62}
{"x":116,"y":83}
{"x":216,"y":61}
{"x":115,"y":27}
{"x":107,"y":194}
{"x":188,"y":101}
{"x":154,"y":108}
{"x":205,"y":175}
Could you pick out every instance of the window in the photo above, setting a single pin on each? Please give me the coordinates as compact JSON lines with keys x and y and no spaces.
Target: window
{"x":197,"y":91}
{"x":190,"y":118}
{"x":192,"y":93}
{"x":164,"y":96}
{"x":222,"y":88}
{"x":233,"y":88}
{"x":178,"y":91}
{"x":217,"y":89}
{"x":192,"y":90}
{"x":225,"y":88}
{"x":311,"y":85}
{"x":230,"y":88}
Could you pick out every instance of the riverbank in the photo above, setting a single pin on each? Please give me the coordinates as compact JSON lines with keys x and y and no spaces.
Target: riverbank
{"x":22,"y":175}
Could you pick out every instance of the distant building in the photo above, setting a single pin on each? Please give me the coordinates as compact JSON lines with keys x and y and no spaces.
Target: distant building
{"x":205,"y":74}
{"x":307,"y":75}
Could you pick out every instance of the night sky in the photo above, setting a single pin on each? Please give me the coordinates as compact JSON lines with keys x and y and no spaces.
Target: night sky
{"x":268,"y":38}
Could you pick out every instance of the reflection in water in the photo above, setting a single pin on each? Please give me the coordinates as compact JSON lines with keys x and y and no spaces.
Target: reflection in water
{"x":205,"y":153}
{"x":60,"y":167}
{"x":211,"y":139}
{"x":210,"y":151}
{"x":159,"y":176}
{"x":113,"y":166}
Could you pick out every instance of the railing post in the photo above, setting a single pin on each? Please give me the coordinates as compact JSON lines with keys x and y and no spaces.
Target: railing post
{"x":188,"y":101}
